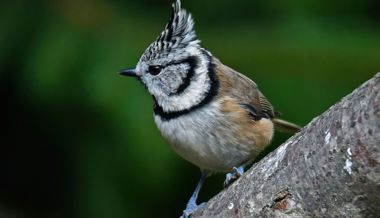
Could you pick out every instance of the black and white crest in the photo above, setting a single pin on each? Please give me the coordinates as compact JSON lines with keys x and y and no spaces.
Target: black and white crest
{"x":178,"y":34}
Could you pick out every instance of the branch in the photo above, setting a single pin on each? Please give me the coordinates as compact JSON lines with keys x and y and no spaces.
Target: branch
{"x":329,"y":169}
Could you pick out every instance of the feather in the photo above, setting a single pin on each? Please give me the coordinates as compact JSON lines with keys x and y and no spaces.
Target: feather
{"x":285,"y":126}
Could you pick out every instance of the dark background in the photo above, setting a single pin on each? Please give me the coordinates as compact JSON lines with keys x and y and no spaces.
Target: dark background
{"x":78,"y":140}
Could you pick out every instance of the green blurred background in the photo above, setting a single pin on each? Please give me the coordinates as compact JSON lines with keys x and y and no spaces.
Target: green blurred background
{"x":79,"y":141}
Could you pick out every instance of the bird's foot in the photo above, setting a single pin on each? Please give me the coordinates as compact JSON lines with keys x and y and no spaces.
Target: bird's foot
{"x":192,"y":205}
{"x":190,"y":209}
{"x":236,"y":173}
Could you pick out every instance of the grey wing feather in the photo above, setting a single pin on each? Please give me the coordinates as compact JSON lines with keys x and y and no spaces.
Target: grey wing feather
{"x":266,"y":106}
{"x":251,"y":94}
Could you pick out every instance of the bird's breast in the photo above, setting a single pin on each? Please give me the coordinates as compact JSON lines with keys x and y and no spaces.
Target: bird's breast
{"x":207,"y":138}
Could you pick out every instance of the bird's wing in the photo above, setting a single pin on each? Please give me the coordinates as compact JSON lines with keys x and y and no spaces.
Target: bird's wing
{"x":245,"y":91}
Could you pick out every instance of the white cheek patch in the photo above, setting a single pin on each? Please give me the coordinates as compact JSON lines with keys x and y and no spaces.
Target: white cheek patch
{"x":193,"y":94}
{"x":168,"y":81}
{"x":176,"y":76}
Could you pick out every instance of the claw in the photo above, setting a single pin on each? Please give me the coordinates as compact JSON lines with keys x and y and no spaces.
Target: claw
{"x":237,"y":172}
{"x":190,"y":209}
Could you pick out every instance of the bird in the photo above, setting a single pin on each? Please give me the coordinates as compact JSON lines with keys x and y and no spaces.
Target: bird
{"x":210,"y":114}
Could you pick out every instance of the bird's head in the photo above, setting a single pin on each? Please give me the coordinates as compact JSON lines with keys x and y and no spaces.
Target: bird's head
{"x":174,"y":67}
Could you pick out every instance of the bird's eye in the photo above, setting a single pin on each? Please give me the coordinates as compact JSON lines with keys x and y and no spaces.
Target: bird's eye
{"x":154,"y":70}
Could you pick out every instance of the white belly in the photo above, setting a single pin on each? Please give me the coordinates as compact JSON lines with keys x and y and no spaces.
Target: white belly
{"x":205,"y":139}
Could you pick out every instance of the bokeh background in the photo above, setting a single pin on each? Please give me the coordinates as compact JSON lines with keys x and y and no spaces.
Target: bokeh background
{"x":78,"y":140}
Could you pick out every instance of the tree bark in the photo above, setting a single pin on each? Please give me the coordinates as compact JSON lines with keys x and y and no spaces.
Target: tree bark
{"x":329,"y":169}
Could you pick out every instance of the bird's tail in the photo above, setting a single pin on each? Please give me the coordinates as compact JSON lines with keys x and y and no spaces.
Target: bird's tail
{"x":285,"y":126}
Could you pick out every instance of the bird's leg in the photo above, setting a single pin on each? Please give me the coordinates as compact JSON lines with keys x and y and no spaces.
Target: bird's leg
{"x":234,"y":175}
{"x":192,"y":203}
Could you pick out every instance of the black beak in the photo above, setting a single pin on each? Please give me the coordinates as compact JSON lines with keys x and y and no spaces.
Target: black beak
{"x":128,"y":72}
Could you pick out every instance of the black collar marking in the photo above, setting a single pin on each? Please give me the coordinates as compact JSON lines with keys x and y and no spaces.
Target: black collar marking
{"x":212,"y":92}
